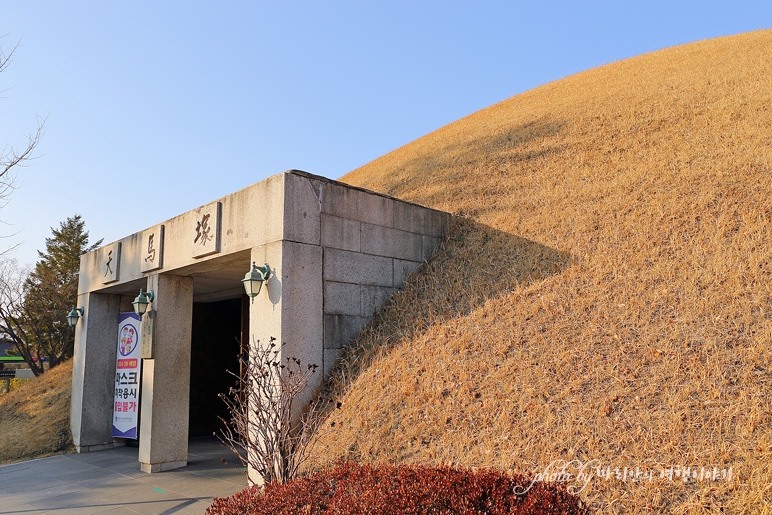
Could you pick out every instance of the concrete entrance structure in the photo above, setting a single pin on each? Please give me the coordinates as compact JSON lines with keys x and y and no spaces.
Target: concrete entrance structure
{"x":336,"y":254}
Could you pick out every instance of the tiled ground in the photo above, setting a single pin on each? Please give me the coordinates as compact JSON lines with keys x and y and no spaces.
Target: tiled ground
{"x":111,"y":482}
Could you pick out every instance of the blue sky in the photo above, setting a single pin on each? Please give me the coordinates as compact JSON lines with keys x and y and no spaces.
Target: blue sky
{"x":155,"y":108}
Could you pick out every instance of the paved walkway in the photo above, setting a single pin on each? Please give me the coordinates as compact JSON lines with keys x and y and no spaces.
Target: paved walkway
{"x":110,"y":482}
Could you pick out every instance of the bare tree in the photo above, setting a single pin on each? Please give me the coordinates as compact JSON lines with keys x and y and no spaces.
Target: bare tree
{"x":11,"y":156}
{"x":262,"y":431}
{"x":14,"y":316}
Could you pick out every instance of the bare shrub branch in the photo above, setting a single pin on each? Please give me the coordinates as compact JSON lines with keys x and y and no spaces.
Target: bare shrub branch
{"x":262,"y":431}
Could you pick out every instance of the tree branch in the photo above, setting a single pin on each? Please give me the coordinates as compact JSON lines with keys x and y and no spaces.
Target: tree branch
{"x":12,"y":157}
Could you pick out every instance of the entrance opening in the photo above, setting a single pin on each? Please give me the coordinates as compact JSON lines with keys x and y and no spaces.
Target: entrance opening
{"x":218,"y":328}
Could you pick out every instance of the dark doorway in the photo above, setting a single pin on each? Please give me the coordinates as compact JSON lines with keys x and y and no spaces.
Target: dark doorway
{"x":214,"y":350}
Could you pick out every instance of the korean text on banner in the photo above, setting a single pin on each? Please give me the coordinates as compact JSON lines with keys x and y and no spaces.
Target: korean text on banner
{"x":127,"y":370}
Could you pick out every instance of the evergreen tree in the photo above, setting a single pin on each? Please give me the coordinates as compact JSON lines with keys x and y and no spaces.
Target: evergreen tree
{"x":36,"y":321}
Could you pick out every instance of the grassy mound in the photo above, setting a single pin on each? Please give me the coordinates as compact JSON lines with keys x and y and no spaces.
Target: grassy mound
{"x":35,"y":419}
{"x":605,"y":296}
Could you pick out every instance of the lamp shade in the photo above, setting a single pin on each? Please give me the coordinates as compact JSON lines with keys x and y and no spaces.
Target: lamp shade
{"x":253,"y":280}
{"x":141,"y":302}
{"x":73,"y":316}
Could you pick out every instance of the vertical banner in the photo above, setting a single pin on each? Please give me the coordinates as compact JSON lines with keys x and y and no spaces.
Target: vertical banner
{"x":127,"y":368}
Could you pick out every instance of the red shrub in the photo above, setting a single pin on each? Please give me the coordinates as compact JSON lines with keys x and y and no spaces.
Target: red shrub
{"x":352,"y":489}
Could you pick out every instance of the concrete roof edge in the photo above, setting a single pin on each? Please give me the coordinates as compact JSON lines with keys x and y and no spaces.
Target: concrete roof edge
{"x":308,"y":175}
{"x":299,"y":173}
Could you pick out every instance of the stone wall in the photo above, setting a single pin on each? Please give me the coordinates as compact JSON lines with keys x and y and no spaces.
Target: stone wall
{"x":370,"y":243}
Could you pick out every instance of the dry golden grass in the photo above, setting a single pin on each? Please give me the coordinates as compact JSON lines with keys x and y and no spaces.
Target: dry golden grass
{"x":606,"y":294}
{"x":35,"y":418}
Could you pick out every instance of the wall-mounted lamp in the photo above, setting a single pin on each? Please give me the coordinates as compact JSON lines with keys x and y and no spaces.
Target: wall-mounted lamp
{"x":73,"y":316}
{"x":253,"y":280}
{"x":141,"y":302}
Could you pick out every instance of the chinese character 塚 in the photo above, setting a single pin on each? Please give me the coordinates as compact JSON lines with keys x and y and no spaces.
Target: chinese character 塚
{"x":202,"y":230}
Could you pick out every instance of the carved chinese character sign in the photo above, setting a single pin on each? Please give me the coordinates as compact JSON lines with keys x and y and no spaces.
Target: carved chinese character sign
{"x":203,"y":230}
{"x":205,"y":233}
{"x":152,"y":257}
{"x":109,"y":262}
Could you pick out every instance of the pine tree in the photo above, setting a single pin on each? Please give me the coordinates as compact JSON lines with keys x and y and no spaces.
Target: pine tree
{"x":36,"y":322}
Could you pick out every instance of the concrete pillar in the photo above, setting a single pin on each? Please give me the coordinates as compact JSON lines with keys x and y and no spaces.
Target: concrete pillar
{"x":265,"y":309}
{"x":163,"y":443}
{"x":303,"y":313}
{"x":93,"y":374}
{"x":290,"y":309}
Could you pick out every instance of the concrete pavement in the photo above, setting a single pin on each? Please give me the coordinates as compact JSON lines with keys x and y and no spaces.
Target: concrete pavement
{"x":110,"y":481}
